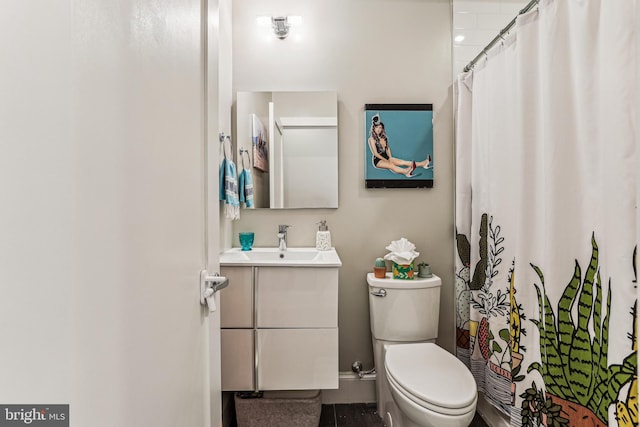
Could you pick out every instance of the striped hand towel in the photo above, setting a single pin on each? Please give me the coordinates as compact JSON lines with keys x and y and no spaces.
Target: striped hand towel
{"x":229,"y":189}
{"x":246,"y":188}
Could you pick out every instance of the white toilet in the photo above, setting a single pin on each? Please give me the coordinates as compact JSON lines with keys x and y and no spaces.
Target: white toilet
{"x":418,"y":384}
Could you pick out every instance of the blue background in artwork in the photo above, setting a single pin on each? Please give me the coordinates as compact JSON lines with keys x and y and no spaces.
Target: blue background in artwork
{"x":410,"y":137}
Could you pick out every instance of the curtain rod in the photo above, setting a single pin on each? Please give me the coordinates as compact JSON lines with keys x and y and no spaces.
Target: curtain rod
{"x":500,"y":36}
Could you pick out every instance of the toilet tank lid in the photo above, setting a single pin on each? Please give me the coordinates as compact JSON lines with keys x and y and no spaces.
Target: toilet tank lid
{"x":432,"y":374}
{"x":390,"y":283}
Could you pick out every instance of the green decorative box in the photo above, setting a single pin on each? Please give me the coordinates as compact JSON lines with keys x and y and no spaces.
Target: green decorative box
{"x":403,"y":271}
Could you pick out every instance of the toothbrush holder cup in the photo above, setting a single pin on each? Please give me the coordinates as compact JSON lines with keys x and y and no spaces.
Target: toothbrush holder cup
{"x":246,"y":240}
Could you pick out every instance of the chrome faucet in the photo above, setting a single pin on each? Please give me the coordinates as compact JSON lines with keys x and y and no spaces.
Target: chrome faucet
{"x":282,"y":237}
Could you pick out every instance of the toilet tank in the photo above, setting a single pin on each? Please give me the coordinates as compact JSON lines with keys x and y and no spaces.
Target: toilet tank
{"x":408,"y":311}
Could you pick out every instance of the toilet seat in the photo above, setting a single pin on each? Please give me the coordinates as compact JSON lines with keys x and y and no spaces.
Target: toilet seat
{"x":431,"y":377}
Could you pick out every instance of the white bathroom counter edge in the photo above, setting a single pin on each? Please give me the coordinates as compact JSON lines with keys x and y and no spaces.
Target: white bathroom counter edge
{"x":324,"y":259}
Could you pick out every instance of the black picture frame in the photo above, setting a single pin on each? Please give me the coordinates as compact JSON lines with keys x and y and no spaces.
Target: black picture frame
{"x":405,"y":131}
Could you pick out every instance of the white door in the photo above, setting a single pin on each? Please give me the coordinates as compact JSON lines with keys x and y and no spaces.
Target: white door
{"x":103,"y":229}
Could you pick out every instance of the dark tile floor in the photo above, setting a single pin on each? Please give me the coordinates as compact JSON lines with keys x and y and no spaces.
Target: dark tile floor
{"x":351,"y":415}
{"x":362,"y":415}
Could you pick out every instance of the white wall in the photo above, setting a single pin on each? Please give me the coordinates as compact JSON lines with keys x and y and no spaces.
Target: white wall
{"x":37,"y":203}
{"x":218,"y":118}
{"x":310,"y":154}
{"x":311,"y":167}
{"x":224,"y":93}
{"x":386,"y":51}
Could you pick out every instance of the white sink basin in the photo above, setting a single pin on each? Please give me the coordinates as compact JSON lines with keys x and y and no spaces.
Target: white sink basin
{"x":301,"y":257}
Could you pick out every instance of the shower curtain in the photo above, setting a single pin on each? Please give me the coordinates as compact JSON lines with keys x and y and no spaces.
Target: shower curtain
{"x":546,"y":177}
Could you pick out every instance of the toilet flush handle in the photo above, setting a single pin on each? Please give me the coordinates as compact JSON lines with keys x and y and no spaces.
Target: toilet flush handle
{"x":379,"y":293}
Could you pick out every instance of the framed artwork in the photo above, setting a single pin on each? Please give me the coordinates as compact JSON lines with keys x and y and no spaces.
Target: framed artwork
{"x":260,"y":144}
{"x":398,"y":146}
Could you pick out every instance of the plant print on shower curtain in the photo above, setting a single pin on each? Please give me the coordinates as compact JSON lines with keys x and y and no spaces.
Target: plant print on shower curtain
{"x":546,"y":220}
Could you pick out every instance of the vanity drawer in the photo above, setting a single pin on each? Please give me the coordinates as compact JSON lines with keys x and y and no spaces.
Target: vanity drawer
{"x":297,"y":297}
{"x":236,"y":359}
{"x":297,"y":359}
{"x":236,"y":301}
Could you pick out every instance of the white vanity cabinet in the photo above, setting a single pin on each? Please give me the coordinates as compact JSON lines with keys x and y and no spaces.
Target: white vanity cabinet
{"x":296,"y":297}
{"x":279,"y":328}
{"x":237,"y":335}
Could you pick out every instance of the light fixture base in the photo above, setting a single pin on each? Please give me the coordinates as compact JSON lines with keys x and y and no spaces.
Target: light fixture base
{"x":280,"y":26}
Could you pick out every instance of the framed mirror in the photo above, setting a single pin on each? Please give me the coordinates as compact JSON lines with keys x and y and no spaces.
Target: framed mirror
{"x":289,"y":140}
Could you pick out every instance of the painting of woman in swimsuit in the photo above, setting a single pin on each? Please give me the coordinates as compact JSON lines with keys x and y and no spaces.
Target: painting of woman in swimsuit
{"x":411,"y":158}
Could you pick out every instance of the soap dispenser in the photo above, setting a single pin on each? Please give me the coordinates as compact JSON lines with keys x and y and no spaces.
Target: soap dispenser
{"x":323,"y":237}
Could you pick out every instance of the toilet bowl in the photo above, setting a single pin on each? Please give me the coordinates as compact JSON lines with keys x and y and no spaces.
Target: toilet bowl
{"x":430,"y":386}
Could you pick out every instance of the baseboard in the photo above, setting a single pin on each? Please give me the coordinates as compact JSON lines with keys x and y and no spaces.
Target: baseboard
{"x":352,"y":389}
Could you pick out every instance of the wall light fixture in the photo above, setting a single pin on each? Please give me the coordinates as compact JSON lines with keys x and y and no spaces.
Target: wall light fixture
{"x":281,"y":25}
